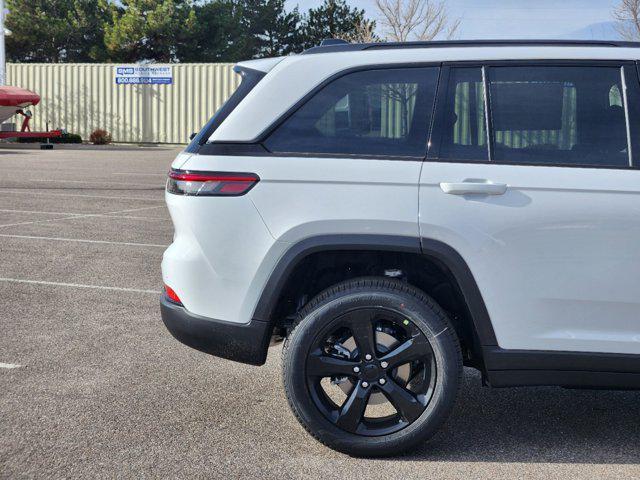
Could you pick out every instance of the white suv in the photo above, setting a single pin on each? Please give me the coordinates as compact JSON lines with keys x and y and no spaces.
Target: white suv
{"x":397,"y":211}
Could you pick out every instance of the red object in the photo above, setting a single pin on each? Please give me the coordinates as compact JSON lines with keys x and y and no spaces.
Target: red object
{"x":51,"y":134}
{"x":211,"y":177}
{"x":236,"y":187}
{"x":173,"y":296}
{"x":210,"y":183}
{"x":27,"y":118}
{"x":17,"y":97}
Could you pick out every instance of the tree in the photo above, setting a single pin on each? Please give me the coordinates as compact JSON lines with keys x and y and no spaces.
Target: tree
{"x":215,"y":36}
{"x":364,"y":32}
{"x":149,"y":29}
{"x":333,"y":19}
{"x":52,"y":31}
{"x":406,"y":20}
{"x":268,"y":29}
{"x":627,"y":15}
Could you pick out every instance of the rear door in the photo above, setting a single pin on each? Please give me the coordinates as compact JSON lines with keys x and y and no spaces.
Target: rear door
{"x":533,"y":179}
{"x":347,"y":160}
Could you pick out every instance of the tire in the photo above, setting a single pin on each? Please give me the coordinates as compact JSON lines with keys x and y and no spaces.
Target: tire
{"x":413,"y":319}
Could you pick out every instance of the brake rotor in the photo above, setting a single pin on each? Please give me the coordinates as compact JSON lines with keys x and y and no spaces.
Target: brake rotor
{"x":385,"y":343}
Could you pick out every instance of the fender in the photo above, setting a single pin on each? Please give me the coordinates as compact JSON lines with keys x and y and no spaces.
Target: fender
{"x":442,"y":254}
{"x":299,"y":251}
{"x":450,"y":260}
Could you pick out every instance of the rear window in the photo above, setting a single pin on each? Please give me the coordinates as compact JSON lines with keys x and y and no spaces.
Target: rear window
{"x":374,"y":113}
{"x":558,"y":115}
{"x":464,"y":133}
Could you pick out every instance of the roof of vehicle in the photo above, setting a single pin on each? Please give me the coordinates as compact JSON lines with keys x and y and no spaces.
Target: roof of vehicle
{"x":335,"y":45}
{"x":291,"y":78}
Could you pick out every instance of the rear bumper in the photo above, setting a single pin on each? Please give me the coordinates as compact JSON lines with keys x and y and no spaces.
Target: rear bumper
{"x":245,"y":343}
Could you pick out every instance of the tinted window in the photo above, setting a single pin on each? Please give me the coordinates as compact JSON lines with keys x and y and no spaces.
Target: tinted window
{"x":558,"y":115}
{"x":376,"y":112}
{"x":464,"y":132}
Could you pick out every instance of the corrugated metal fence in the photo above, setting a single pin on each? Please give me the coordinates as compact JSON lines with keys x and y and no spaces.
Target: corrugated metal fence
{"x":83,"y":97}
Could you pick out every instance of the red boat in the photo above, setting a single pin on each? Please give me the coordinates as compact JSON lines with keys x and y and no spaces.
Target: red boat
{"x":14,"y":100}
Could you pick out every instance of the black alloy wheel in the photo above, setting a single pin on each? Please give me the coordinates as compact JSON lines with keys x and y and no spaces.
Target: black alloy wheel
{"x":372,"y":367}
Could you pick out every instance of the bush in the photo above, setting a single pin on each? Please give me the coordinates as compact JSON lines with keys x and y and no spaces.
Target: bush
{"x":100,"y":137}
{"x":64,"y":138}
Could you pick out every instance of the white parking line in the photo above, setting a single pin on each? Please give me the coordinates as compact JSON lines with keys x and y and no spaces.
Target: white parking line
{"x":92,"y":182}
{"x":81,"y":240}
{"x":106,"y":215}
{"x":9,"y":365}
{"x":23,"y":192}
{"x":141,"y":174}
{"x":73,"y":216}
{"x":78,"y":285}
{"x":8,"y":210}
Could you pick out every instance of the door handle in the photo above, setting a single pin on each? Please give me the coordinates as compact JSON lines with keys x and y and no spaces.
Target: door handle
{"x":476,"y":187}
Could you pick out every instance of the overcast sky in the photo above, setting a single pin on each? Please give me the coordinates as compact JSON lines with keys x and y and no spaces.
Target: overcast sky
{"x":518,"y":18}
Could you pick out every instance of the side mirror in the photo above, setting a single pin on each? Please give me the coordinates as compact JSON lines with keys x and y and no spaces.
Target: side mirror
{"x":193,"y":135}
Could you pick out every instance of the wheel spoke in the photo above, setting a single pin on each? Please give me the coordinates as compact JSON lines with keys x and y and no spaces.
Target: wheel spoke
{"x":352,"y":411}
{"x":415,"y":348}
{"x":321,"y":365}
{"x":405,"y":402}
{"x":359,"y":323}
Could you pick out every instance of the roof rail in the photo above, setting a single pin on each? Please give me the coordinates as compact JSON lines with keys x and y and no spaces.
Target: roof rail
{"x":333,"y":41}
{"x":343,"y":46}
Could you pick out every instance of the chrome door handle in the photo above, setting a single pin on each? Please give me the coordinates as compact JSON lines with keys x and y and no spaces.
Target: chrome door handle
{"x":474,"y":188}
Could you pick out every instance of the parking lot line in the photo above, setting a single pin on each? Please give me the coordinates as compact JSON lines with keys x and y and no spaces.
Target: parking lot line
{"x":73,"y":216}
{"x":141,"y":174}
{"x":9,"y":365}
{"x":8,"y":210}
{"x":77,"y":285}
{"x":82,"y":240}
{"x":107,"y":215}
{"x":109,"y":197}
{"x":160,"y":186}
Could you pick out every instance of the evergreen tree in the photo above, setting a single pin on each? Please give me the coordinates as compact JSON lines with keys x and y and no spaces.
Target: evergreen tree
{"x":332,"y":19}
{"x":53,"y":31}
{"x":215,"y":36}
{"x":267,"y":29}
{"x":149,"y":29}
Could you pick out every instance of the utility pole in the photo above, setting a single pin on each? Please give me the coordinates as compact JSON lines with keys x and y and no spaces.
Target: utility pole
{"x":3,"y":60}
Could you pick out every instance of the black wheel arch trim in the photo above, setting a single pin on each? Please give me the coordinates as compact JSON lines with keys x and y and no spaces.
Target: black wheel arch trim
{"x":299,"y":251}
{"x":441,"y":253}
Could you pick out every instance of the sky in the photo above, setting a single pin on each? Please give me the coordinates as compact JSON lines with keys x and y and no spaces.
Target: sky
{"x":586,"y":19}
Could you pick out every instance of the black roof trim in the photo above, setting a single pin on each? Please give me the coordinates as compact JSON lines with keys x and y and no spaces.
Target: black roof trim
{"x":354,"y":47}
{"x":333,"y":41}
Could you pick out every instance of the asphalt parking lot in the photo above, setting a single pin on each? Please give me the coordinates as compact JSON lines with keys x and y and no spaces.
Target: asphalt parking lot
{"x":92,"y":385}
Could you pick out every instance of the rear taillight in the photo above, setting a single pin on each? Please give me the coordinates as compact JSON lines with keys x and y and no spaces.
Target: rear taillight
{"x":173,"y":296}
{"x":211,"y":184}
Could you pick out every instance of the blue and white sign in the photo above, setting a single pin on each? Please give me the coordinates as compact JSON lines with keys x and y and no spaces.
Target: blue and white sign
{"x":143,"y":75}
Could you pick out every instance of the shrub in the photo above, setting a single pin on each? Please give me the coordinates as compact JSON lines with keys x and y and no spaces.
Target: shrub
{"x":64,"y":138}
{"x":100,"y":137}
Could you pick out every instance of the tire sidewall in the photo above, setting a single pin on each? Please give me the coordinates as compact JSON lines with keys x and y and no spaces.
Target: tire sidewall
{"x":426,"y":316}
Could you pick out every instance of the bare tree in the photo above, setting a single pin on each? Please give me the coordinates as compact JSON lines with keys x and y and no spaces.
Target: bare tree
{"x":364,"y":32}
{"x":627,"y":15}
{"x":405,"y":20}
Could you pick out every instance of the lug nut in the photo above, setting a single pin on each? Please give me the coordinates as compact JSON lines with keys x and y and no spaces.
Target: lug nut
{"x":384,"y":364}
{"x":368,"y":357}
{"x":382,"y":381}
{"x":365,"y":384}
{"x":356,"y":369}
